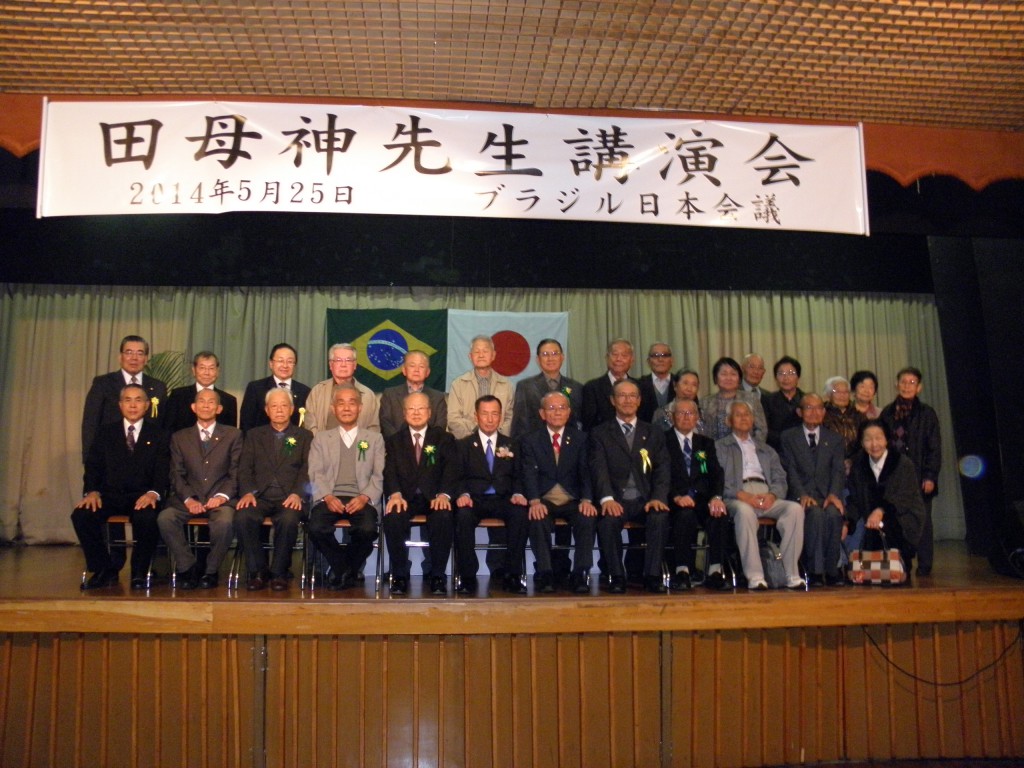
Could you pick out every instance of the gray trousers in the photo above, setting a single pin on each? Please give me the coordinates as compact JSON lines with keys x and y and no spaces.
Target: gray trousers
{"x":823,"y":532}
{"x":789,"y":520}
{"x":172,"y":528}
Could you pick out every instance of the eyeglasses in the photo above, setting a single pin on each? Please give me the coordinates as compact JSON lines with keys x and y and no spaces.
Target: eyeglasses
{"x":280,"y":361}
{"x":660,"y":355}
{"x":550,"y":354}
{"x":343,"y":359}
{"x":134,"y":353}
{"x":787,"y":373}
{"x":556,"y":408}
{"x":627,"y":396}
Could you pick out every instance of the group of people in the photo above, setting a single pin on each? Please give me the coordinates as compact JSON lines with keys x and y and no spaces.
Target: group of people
{"x":561,"y":463}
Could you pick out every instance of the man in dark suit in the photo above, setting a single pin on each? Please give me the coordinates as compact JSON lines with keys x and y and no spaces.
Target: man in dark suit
{"x":696,"y":497}
{"x":101,"y":402}
{"x":658,"y":389}
{"x":416,"y":470}
{"x":126,"y":473}
{"x":629,"y":470}
{"x":204,"y":482}
{"x":529,"y":392}
{"x":813,"y":457}
{"x":178,"y":413}
{"x":416,"y":370}
{"x":597,"y":393}
{"x":485,"y":467}
{"x":273,"y":480}
{"x":283,"y":359}
{"x":554,"y":475}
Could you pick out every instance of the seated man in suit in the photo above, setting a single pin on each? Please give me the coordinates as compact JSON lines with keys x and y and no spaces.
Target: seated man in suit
{"x":529,"y":391}
{"x":283,"y":359}
{"x":273,"y":480}
{"x":416,"y":470}
{"x":204,"y":482}
{"x":629,"y":470}
{"x":126,"y":473}
{"x":102,"y":403}
{"x":814,"y":459}
{"x":597,"y":393}
{"x":696,"y":496}
{"x":484,"y":467}
{"x":658,"y":389}
{"x":178,"y":413}
{"x":755,"y":486}
{"x":554,"y":475}
{"x":346,"y":472}
{"x":416,"y":370}
{"x":342,"y":360}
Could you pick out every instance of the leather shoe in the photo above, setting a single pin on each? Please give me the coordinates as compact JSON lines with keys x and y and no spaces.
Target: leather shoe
{"x":279,"y":583}
{"x":758,"y":585}
{"x":579,"y":585}
{"x":209,"y":581}
{"x":139,"y":581}
{"x":816,"y":580}
{"x":617,"y":585}
{"x":544,"y":583}
{"x":514,"y":585}
{"x":680,"y":581}
{"x":834,"y":579}
{"x":256,"y":582}
{"x":439,"y":585}
{"x":467,"y":586}
{"x":399,"y":585}
{"x":104,"y":577}
{"x":340,"y":581}
{"x":186,"y":579}
{"x":654,"y":585}
{"x":795,"y":582}
{"x":715,"y":580}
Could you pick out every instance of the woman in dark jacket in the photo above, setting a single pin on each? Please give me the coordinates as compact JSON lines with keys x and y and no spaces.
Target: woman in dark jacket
{"x":884,"y":492}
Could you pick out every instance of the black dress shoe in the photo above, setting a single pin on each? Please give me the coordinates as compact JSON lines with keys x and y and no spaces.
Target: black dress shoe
{"x":922,"y":571}
{"x":279,"y":583}
{"x":617,"y":585}
{"x":139,"y":582}
{"x":256,"y":582}
{"x":209,"y":581}
{"x":467,"y":586}
{"x":654,"y":585}
{"x":514,"y":585}
{"x":544,"y":583}
{"x":186,"y":579}
{"x":716,"y":580}
{"x":340,"y":581}
{"x":579,"y":585}
{"x":816,"y":580}
{"x":104,"y":577}
{"x":834,"y":579}
{"x":439,"y":585}
{"x":680,"y":581}
{"x":399,"y":585}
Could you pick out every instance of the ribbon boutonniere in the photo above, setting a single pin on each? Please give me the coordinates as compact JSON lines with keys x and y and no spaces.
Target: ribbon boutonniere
{"x":154,"y":402}
{"x":302,"y":416}
{"x":289,"y":445}
{"x":645,"y":460}
{"x":431,"y":451}
{"x":567,"y":391}
{"x":503,"y":452}
{"x":363,"y":446}
{"x":702,"y":460}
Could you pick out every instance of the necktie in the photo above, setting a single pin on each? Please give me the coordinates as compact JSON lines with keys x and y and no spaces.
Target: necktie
{"x":135,"y":380}
{"x":555,"y":445}
{"x":283,"y":384}
{"x":206,"y":435}
{"x":131,"y":438}
{"x":416,"y":446}
{"x":489,"y":453}
{"x":687,"y":452}
{"x":627,"y":429}
{"x":812,"y":440}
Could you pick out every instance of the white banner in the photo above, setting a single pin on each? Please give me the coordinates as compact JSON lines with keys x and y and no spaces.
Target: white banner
{"x":137,"y":157}
{"x":515,"y":336}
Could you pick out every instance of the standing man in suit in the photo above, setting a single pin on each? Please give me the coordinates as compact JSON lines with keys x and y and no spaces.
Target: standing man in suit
{"x":126,"y":472}
{"x":346,"y":471}
{"x":629,"y":469}
{"x":481,"y":380}
{"x":554,"y":474}
{"x":273,"y":480}
{"x":416,"y":473}
{"x":814,"y":459}
{"x":529,"y":392}
{"x":755,"y":486}
{"x":753,"y":373}
{"x":914,"y":426}
{"x":204,"y":482}
{"x":416,"y":370}
{"x":696,"y":497}
{"x":597,"y":393}
{"x":342,"y":359}
{"x":102,"y":403}
{"x":283,"y":359}
{"x":485,"y":468}
{"x":656,"y":390}
{"x":178,"y":413}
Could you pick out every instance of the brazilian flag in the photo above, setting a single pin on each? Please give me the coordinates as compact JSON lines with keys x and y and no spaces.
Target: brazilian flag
{"x":383,"y":336}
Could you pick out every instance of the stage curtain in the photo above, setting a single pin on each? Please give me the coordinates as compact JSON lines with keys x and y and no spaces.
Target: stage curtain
{"x":55,"y":339}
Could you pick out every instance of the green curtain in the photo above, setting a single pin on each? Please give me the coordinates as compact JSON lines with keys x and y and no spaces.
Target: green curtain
{"x":55,"y":339}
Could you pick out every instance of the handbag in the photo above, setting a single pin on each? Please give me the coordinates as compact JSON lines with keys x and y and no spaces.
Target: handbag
{"x":771,"y":564}
{"x":877,"y":566}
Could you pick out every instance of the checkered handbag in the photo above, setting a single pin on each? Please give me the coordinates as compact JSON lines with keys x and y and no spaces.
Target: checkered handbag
{"x":881,"y":566}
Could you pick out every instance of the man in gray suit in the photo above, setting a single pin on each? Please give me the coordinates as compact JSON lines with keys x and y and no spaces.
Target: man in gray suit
{"x":346,"y":472}
{"x":812,"y":456}
{"x":416,"y":370}
{"x":204,"y":482}
{"x":273,"y":480}
{"x":529,"y":392}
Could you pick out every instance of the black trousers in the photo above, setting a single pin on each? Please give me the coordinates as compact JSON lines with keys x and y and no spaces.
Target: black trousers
{"x":349,"y":557}
{"x":466,"y":519}
{"x":249,"y":528}
{"x":89,"y":529}
{"x":440,"y":532}
{"x":583,"y":531}
{"x":609,"y":536}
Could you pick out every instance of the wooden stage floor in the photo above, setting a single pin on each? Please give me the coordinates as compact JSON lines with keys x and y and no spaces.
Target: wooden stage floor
{"x":39,"y":592}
